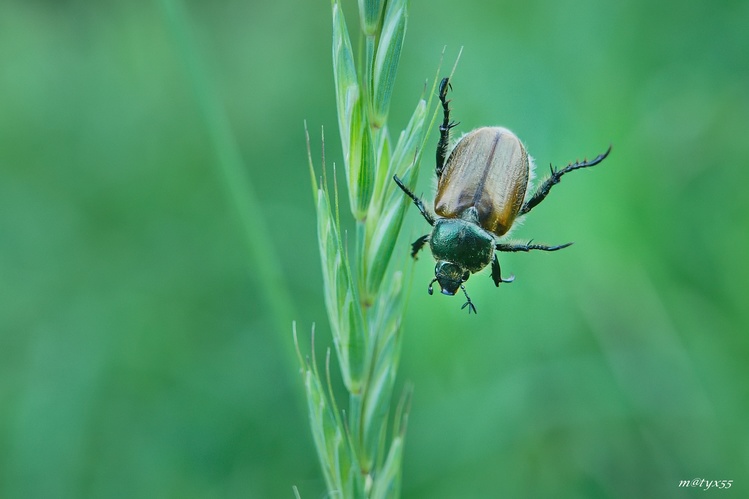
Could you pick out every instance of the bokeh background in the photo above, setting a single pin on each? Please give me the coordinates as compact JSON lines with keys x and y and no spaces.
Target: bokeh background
{"x":143,"y":352}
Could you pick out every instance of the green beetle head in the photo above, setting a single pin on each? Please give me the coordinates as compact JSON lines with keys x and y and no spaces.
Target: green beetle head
{"x":449,"y":276}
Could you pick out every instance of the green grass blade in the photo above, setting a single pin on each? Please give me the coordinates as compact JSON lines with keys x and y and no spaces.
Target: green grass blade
{"x":387,"y":59}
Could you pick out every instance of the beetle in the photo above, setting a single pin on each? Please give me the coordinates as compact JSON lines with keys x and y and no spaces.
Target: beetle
{"x":482,"y":189}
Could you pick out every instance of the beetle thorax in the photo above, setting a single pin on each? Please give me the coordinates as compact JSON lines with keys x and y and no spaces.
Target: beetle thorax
{"x":463,"y":243}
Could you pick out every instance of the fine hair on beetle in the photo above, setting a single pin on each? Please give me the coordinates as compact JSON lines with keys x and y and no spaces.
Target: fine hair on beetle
{"x":482,"y":191}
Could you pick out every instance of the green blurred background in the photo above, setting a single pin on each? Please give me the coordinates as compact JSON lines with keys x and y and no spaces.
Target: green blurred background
{"x":140,"y":351}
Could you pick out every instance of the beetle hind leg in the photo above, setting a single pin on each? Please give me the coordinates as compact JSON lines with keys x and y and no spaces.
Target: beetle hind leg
{"x":527,"y":247}
{"x":497,"y":273}
{"x":555,"y":178}
{"x":445,"y":127}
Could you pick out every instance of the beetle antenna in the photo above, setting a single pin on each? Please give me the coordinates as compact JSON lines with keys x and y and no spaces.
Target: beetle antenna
{"x":468,"y":304}
{"x":429,"y":289}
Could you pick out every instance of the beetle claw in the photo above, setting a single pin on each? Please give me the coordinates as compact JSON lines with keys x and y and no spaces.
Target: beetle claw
{"x":560,"y":246}
{"x":470,"y":307}
{"x":444,"y":84}
{"x":468,"y":303}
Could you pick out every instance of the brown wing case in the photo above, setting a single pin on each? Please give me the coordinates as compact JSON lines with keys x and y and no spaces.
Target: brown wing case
{"x":487,"y":169}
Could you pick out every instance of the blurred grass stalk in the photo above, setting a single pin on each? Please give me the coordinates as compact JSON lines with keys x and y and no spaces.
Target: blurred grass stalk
{"x":229,"y":160}
{"x":359,"y":456}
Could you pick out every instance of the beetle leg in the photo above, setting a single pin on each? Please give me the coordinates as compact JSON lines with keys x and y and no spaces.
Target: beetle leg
{"x":555,"y":177}
{"x":417,"y":245}
{"x":418,"y":202}
{"x":468,"y":304}
{"x":445,"y":127}
{"x":527,"y":247}
{"x":497,"y":273}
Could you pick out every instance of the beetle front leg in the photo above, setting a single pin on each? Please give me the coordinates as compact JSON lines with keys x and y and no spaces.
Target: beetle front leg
{"x":528,"y":247}
{"x":417,"y":245}
{"x":555,"y":177}
{"x":468,"y":303}
{"x":445,"y":127}
{"x":418,"y":202}
{"x":497,"y":273}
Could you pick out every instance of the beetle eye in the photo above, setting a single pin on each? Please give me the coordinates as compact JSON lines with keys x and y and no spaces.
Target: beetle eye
{"x":466,"y":275}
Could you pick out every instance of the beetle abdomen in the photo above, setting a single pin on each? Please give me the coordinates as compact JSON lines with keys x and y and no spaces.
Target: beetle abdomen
{"x":488,"y":170}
